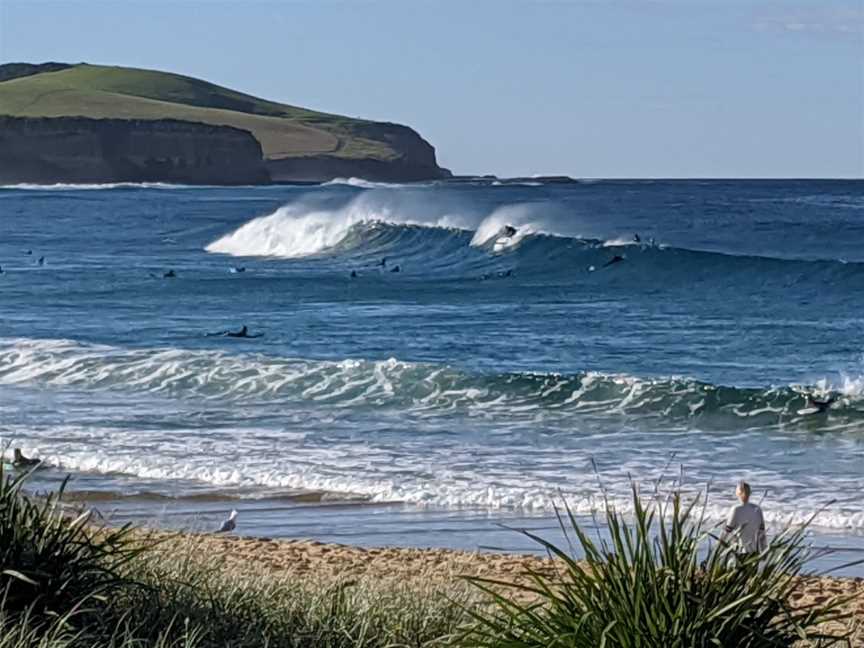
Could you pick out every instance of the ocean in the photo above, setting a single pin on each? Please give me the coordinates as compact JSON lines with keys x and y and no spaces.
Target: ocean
{"x":663,"y":333}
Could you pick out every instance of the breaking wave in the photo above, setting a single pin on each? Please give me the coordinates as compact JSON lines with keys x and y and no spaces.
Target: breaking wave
{"x":377,"y":225}
{"x":419,"y":388}
{"x":360,"y":183}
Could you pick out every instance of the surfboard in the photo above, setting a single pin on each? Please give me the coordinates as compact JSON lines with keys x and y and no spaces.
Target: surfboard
{"x":502,"y":243}
{"x":807,"y":411}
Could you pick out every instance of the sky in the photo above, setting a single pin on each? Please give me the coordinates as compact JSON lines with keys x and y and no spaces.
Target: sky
{"x":591,"y":88}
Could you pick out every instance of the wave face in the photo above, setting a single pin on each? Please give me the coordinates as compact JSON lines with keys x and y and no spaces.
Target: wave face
{"x":548,"y":241}
{"x":415,"y":387}
{"x":298,"y":230}
{"x":328,"y":397}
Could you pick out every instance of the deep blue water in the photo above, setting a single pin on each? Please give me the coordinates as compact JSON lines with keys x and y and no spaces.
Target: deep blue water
{"x":487,"y":373}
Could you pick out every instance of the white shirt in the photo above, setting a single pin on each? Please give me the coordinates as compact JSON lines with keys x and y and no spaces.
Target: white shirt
{"x":745,"y":521}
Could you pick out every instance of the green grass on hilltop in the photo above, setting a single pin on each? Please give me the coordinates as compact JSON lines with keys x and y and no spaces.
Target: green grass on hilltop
{"x":98,"y":91}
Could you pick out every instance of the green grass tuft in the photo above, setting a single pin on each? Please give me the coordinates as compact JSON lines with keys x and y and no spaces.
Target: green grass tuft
{"x":651,"y":584}
{"x":66,"y":583}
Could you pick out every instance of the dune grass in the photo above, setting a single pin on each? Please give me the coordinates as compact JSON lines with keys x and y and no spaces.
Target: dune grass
{"x":65,"y":582}
{"x":663,"y":578}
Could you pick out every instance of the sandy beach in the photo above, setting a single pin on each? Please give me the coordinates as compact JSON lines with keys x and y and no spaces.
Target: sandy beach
{"x":442,"y":567}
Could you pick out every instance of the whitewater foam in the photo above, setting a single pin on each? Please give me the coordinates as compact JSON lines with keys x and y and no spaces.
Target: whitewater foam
{"x":60,"y":186}
{"x":329,"y":470}
{"x":362,"y":184}
{"x":300,"y":230}
{"x":419,"y":389}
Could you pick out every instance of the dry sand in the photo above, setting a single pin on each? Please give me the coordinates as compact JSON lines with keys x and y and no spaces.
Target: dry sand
{"x":435,"y":566}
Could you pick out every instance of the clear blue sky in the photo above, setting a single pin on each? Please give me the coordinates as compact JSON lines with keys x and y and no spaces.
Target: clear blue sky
{"x":594,"y":88}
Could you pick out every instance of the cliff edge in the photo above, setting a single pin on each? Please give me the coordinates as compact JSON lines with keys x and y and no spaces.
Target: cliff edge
{"x":59,"y":117}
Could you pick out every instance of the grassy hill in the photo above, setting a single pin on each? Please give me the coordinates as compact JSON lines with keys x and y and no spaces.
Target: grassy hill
{"x":284,"y":131}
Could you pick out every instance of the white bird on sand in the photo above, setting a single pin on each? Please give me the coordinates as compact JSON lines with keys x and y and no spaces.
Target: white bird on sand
{"x":229,"y":524}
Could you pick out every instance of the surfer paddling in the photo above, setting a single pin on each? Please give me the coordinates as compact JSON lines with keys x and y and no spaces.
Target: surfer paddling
{"x":618,"y":258}
{"x":820,"y":405}
{"x":242,"y":333}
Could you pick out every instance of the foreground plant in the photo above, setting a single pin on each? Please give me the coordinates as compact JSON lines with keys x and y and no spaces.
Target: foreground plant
{"x":52,"y":565}
{"x":658,"y":580}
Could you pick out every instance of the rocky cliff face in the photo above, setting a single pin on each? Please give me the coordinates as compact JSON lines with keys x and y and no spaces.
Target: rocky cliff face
{"x":78,"y":149}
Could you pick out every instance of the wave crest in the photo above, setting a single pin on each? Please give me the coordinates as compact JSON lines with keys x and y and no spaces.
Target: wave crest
{"x":417,"y":388}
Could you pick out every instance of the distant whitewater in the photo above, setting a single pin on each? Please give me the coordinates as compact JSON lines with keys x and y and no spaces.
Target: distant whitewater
{"x":299,"y":230}
{"x":89,"y":187}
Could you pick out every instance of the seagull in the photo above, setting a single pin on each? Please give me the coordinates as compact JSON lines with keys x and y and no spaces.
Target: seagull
{"x":229,"y":524}
{"x":20,"y":461}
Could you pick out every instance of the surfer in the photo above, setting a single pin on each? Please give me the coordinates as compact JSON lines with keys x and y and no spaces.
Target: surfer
{"x":41,"y":261}
{"x":383,"y":262}
{"x":242,"y":333}
{"x":237,"y":269}
{"x":396,"y":268}
{"x":506,"y":273}
{"x":20,"y":461}
{"x":636,"y":238}
{"x":353,"y":274}
{"x":29,"y":252}
{"x":169,"y":275}
{"x":820,"y":405}
{"x":615,"y":259}
{"x":509,"y":231}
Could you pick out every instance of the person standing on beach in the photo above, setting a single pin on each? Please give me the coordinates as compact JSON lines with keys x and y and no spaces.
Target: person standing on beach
{"x":746,"y":523}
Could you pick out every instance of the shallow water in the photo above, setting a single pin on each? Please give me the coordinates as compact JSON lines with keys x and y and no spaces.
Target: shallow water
{"x":488,"y":375}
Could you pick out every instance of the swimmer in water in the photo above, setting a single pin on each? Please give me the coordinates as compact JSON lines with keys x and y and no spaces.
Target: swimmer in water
{"x":169,"y":275}
{"x":353,"y":274}
{"x":242,"y":333}
{"x":396,"y":268}
{"x":615,"y":259}
{"x":821,"y":406}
